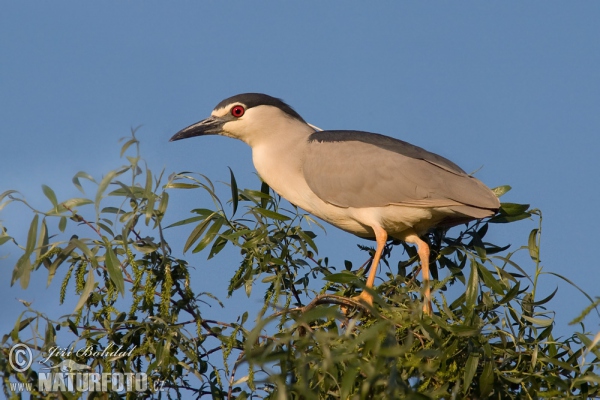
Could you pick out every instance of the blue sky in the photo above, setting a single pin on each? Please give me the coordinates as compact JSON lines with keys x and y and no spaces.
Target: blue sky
{"x":510,"y":87}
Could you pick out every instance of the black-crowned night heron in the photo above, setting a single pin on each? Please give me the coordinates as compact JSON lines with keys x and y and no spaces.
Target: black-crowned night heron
{"x":371,"y":185}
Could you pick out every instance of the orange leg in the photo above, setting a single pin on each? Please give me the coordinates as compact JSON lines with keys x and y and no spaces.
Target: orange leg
{"x":381,"y":238}
{"x":423,"y":252}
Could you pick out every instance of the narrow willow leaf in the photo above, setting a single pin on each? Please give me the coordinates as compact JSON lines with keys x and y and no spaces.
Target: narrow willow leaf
{"x":112,"y":210}
{"x":174,"y":185}
{"x":162,"y":206}
{"x":513,"y":208}
{"x":341,"y":277}
{"x":60,"y":258}
{"x":113,"y":267}
{"x":197,"y":232}
{"x":501,"y":190}
{"x":62,"y":224}
{"x":486,"y":379}
{"x":150,"y":207}
{"x":148,"y":187}
{"x":84,"y":175}
{"x":72,"y":203}
{"x":534,"y":251}
{"x":540,"y":322}
{"x":462,"y":330}
{"x":271,"y":214}
{"x":234,"y":192}
{"x":210,"y":234}
{"x":470,"y":369}
{"x":49,"y":193}
{"x":14,"y":334}
{"x":87,"y":289}
{"x":186,"y":221}
{"x":472,"y":288}
{"x":27,"y":268}
{"x":32,"y":235}
{"x":218,"y":245}
{"x":511,"y":294}
{"x":572,"y":284}
{"x":348,"y":382}
{"x":127,"y":144}
{"x":7,"y":193}
{"x":102,"y":188}
{"x":489,"y":279}
{"x":42,"y":244}
{"x":308,"y":240}
{"x":22,"y":271}
{"x":546,"y":299}
{"x":105,"y":228}
{"x":265,"y":189}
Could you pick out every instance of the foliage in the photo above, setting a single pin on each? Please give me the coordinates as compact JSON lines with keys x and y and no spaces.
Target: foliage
{"x":490,"y":335}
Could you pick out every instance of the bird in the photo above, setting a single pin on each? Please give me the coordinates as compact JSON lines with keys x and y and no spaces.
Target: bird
{"x":371,"y":185}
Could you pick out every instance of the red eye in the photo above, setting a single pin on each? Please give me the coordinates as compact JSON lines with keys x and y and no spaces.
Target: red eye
{"x":237,"y":111}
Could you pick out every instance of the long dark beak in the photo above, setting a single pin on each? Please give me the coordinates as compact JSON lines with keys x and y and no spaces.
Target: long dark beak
{"x":208,"y":126}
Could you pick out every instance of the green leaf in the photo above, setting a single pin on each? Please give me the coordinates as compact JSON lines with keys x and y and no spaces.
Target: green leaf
{"x":486,"y":379}
{"x":513,"y":208}
{"x":32,"y":235}
{"x":186,"y":221}
{"x":461,"y":330}
{"x":49,"y":193}
{"x":22,"y":271}
{"x":546,"y":299}
{"x":84,"y":175}
{"x":162,"y":206}
{"x":501,"y":190}
{"x":150,"y":207}
{"x":197,"y":232}
{"x":87,"y":289}
{"x":210,"y":234}
{"x":113,"y":266}
{"x":174,"y":185}
{"x":62,"y":224}
{"x":127,"y":144}
{"x":534,"y":251}
{"x":540,"y":322}
{"x":42,"y":244}
{"x":219,"y":244}
{"x":60,"y":258}
{"x":148,"y":188}
{"x":511,"y":212}
{"x":234,"y":192}
{"x":271,"y":214}
{"x":264,"y":189}
{"x":7,"y":193}
{"x":348,"y":382}
{"x":112,"y":210}
{"x":341,"y":277}
{"x":472,"y":288}
{"x":86,"y":250}
{"x":489,"y":279}
{"x":308,"y":240}
{"x":470,"y":369}
{"x":102,"y":188}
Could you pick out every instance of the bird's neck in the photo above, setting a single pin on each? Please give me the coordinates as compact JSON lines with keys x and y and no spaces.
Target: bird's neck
{"x":278,"y":160}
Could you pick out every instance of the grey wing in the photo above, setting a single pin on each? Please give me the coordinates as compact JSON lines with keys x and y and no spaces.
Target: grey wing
{"x":360,"y":169}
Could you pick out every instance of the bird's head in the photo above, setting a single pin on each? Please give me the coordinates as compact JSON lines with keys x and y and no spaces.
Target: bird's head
{"x":249,"y":117}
